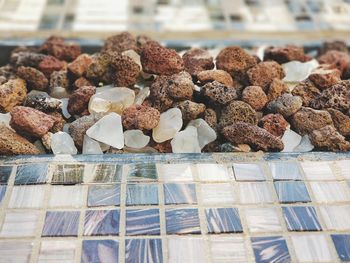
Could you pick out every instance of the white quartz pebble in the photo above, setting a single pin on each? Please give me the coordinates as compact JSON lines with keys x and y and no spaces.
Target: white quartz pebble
{"x":305,"y":145}
{"x":298,"y":71}
{"x":91,"y":146}
{"x":62,"y":143}
{"x":290,"y":140}
{"x":205,"y":133}
{"x":135,"y":139}
{"x":170,"y":123}
{"x":186,"y":141}
{"x":5,"y":118}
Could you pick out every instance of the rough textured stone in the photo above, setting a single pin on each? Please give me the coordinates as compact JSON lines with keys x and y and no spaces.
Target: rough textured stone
{"x":12,"y":93}
{"x":341,"y":121}
{"x":126,"y":70}
{"x":42,"y":101}
{"x":26,"y":58}
{"x":140,"y":117}
{"x":50,"y":64}
{"x":274,"y":124}
{"x":190,"y":110}
{"x":336,"y":59}
{"x":324,"y":78}
{"x":57,"y":47}
{"x":307,"y":91}
{"x":8,"y":72}
{"x":33,"y":77}
{"x":80,"y":82}
{"x":219,"y":93}
{"x":285,"y":54}
{"x":211,"y":118}
{"x":255,"y":97}
{"x":80,"y":65}
{"x":306,"y":120}
{"x":237,"y":111}
{"x":180,"y":86}
{"x":328,"y":139}
{"x":79,"y":100}
{"x":287,"y":105}
{"x":333,"y":45}
{"x":99,"y":69}
{"x":164,"y":147}
{"x":121,"y":42}
{"x":254,"y":136}
{"x":196,"y":60}
{"x":59,"y":79}
{"x":216,"y":75}
{"x":59,"y":121}
{"x":276,"y":89}
{"x":159,"y":60}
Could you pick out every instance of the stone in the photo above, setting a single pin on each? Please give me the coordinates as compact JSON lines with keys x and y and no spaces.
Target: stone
{"x":264,"y":73}
{"x":41,"y":101}
{"x":274,"y":124}
{"x":307,"y":91}
{"x":140,"y":117}
{"x":111,"y":100}
{"x":307,"y":119}
{"x":186,"y":141}
{"x":135,"y":139}
{"x":79,"y":100}
{"x":324,"y":78}
{"x":146,"y":149}
{"x":134,"y":56}
{"x":80,"y":82}
{"x":109,"y":130}
{"x":255,"y":97}
{"x":159,"y":60}
{"x":46,"y":140}
{"x":50,"y":64}
{"x":120,"y":43}
{"x":30,"y":121}
{"x":5,"y":119}
{"x":236,"y":61}
{"x":211,"y":118}
{"x":142,"y":95}
{"x":290,"y":140}
{"x":219,"y":93}
{"x":190,"y":110}
{"x":328,"y":139}
{"x":91,"y":146}
{"x":59,"y":79}
{"x":218,"y":75}
{"x":99,"y":69}
{"x":57,"y":47}
{"x":276,"y":89}
{"x":13,"y":144}
{"x":335,"y":59}
{"x":305,"y":145}
{"x":254,"y":136}
{"x":33,"y":77}
{"x":237,"y":111}
{"x":286,"y":105}
{"x":62,"y":143}
{"x":333,"y":45}
{"x":59,"y":121}
{"x":12,"y":93}
{"x":205,"y":133}
{"x":80,"y":65}
{"x":180,"y":86}
{"x":126,"y":70}
{"x":26,"y":58}
{"x":229,"y":147}
{"x":196,"y":60}
{"x":169,"y":124}
{"x":285,"y":54}
{"x":298,"y":71}
{"x":59,"y":93}
{"x":341,"y":121}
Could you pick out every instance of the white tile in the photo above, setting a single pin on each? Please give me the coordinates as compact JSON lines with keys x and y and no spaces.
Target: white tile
{"x":285,"y":170}
{"x":186,"y":250}
{"x":220,"y":193}
{"x":175,"y":172}
{"x":57,"y":251}
{"x":19,"y":224}
{"x":344,"y":167}
{"x":336,"y":217}
{"x":311,"y":248}
{"x":255,"y":193}
{"x":212,"y":172}
{"x":248,"y":172}
{"x":262,"y":220}
{"x":27,"y":196}
{"x":329,"y":192}
{"x":15,"y":251}
{"x":66,"y":196}
{"x":227,"y":249}
{"x":317,"y":170}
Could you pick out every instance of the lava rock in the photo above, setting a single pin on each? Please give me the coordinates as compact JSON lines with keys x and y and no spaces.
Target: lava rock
{"x":333,"y":45}
{"x":211,"y":118}
{"x":79,"y":100}
{"x":126,"y":70}
{"x":59,"y":121}
{"x":307,"y":91}
{"x":336,"y":59}
{"x":276,"y":89}
{"x":140,"y":117}
{"x":81,"y":82}
{"x":255,"y":97}
{"x":196,"y":60}
{"x":328,"y":139}
{"x":341,"y":121}
{"x":33,"y":77}
{"x":59,"y":79}
{"x":190,"y":110}
{"x":56,"y":47}
{"x":120,"y":43}
{"x":180,"y":86}
{"x":274,"y":124}
{"x":12,"y":93}
{"x":27,"y":59}
{"x":80,"y":65}
{"x":50,"y":64}
{"x":42,"y":101}
{"x":159,"y":96}
{"x":218,"y":75}
{"x":324,"y":78}
{"x":285,"y":54}
{"x":219,"y":93}
{"x":287,"y":105}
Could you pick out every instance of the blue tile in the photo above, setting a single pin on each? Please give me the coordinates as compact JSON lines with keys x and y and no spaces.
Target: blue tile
{"x":61,"y":223}
{"x":182,"y":221}
{"x":292,"y":192}
{"x":31,"y":174}
{"x":300,"y":218}
{"x":2,"y":192}
{"x":5,"y":172}
{"x":68,"y":174}
{"x":104,"y":195}
{"x":248,"y":172}
{"x":142,"y":194}
{"x":101,"y":222}
{"x":342,"y":245}
{"x":143,"y":251}
{"x":142,"y":222}
{"x":142,"y":172}
{"x":270,"y":249}
{"x":180,"y":194}
{"x":100,"y":251}
{"x":107,"y":173}
{"x":223,"y":220}
{"x":285,"y":170}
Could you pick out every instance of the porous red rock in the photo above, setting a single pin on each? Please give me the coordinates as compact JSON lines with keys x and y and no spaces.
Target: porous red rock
{"x":341,"y":121}
{"x":12,"y":93}
{"x":218,"y":75}
{"x":274,"y":124}
{"x":33,"y":77}
{"x":333,"y":45}
{"x":80,"y":65}
{"x":196,"y":60}
{"x":140,"y":117}
{"x":211,"y":118}
{"x":50,"y":64}
{"x":190,"y":110}
{"x":120,"y":42}
{"x":255,"y":97}
{"x":126,"y":70}
{"x":57,"y":47}
{"x":324,"y":78}
{"x":335,"y":59}
{"x":159,"y":96}
{"x":307,"y":91}
{"x":218,"y":93}
{"x":80,"y":82}
{"x":59,"y":121}
{"x":285,"y":54}
{"x":79,"y":100}
{"x":254,"y":136}
{"x":276,"y":89}
{"x":26,"y":58}
{"x":59,"y":79}
{"x":328,"y":139}
{"x":180,"y":86}
{"x":286,"y":104}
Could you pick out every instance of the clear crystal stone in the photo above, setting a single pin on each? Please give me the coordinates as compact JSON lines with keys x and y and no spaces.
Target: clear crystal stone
{"x":91,"y":146}
{"x":290,"y":140}
{"x":186,"y":141}
{"x":5,"y":118}
{"x":170,"y":122}
{"x":205,"y":133}
{"x":62,"y":143}
{"x":135,"y":139}
{"x":298,"y":71}
{"x":305,"y":145}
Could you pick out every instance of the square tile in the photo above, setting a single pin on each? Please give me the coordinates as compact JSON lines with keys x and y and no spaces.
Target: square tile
{"x":299,"y":218}
{"x":186,"y":249}
{"x":217,"y":194}
{"x":57,"y":251}
{"x":255,"y":193}
{"x":182,"y":221}
{"x":180,"y":172}
{"x":61,"y":223}
{"x":142,"y":172}
{"x":100,"y":251}
{"x":5,"y":172}
{"x":15,"y":251}
{"x":262,"y":220}
{"x":66,"y":196}
{"x":223,"y":220}
{"x":270,"y":249}
{"x":212,"y":172}
{"x":180,"y":194}
{"x":103,"y":173}
{"x":104,"y":195}
{"x":285,"y":170}
{"x":31,"y":174}
{"x":344,"y":167}
{"x":101,"y":222}
{"x":142,"y":194}
{"x":317,"y":171}
{"x":248,"y":172}
{"x":20,"y":224}
{"x":2,"y":192}
{"x":336,"y":217}
{"x":143,"y":250}
{"x":330,"y":192}
{"x":27,"y":196}
{"x":292,"y":192}
{"x":142,"y":222}
{"x":227,"y":249}
{"x":342,"y":245}
{"x":68,"y":174}
{"x":311,"y":248}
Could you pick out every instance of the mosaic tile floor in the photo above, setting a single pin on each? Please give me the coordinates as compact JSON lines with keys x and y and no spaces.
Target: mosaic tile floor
{"x":268,"y":209}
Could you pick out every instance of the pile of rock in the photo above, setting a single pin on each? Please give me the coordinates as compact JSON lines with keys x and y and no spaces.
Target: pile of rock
{"x":136,"y":95}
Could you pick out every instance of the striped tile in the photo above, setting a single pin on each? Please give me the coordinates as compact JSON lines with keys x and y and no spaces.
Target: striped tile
{"x":143,"y":250}
{"x":285,"y":170}
{"x":181,"y":172}
{"x":330,"y":192}
{"x":255,"y":193}
{"x":292,"y":192}
{"x":248,"y":172}
{"x":344,"y":167}
{"x":104,"y":195}
{"x":270,"y":249}
{"x":336,"y":217}
{"x":342,"y":245}
{"x":2,"y":192}
{"x":31,"y":174}
{"x":27,"y":196}
{"x":5,"y":172}
{"x":262,"y":219}
{"x":180,"y":194}
{"x":142,"y":194}
{"x":15,"y":251}
{"x":223,"y":220}
{"x":100,"y":251}
{"x":61,"y":223}
{"x":142,"y":172}
{"x":186,"y":249}
{"x":103,"y":173}
{"x":57,"y":251}
{"x":228,"y":249}
{"x":182,"y":221}
{"x":300,"y":218}
{"x":142,"y":222}
{"x":20,"y":224}
{"x":101,"y":222}
{"x":212,"y":172}
{"x":66,"y":196}
{"x":68,"y":174}
{"x":213,"y":194}
{"x":317,"y":170}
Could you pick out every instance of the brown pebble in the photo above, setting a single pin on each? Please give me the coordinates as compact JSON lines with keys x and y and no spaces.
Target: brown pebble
{"x":12,"y":93}
{"x":219,"y":93}
{"x":211,"y":118}
{"x":307,"y":91}
{"x":120,"y":43}
{"x":140,"y":117}
{"x":341,"y":121}
{"x":57,"y":47}
{"x":216,"y":75}
{"x":80,"y":65}
{"x":255,"y":97}
{"x":276,"y":89}
{"x":274,"y":124}
{"x":324,"y":78}
{"x":50,"y":64}
{"x":336,"y":59}
{"x":196,"y":60}
{"x":286,"y":54}
{"x":79,"y":100}
{"x":34,"y":78}
{"x":190,"y":110}
{"x":328,"y":139}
